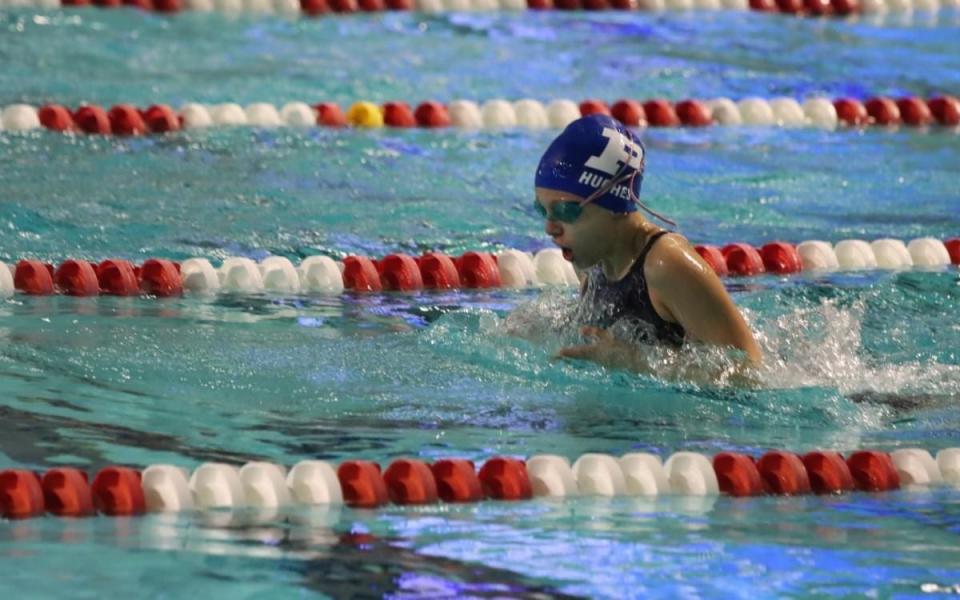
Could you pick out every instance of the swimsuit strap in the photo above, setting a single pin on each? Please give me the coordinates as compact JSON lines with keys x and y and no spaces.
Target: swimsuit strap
{"x":646,"y":249}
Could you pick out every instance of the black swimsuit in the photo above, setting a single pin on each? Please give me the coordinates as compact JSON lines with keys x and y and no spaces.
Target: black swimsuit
{"x":606,"y":302}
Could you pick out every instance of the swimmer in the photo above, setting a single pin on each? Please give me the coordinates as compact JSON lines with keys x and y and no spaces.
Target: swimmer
{"x":587,"y":187}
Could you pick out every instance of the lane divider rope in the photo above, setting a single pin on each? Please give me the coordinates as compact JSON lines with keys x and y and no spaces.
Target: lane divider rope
{"x":313,"y":8}
{"x":509,"y":268}
{"x":941,"y":111}
{"x":119,"y":491}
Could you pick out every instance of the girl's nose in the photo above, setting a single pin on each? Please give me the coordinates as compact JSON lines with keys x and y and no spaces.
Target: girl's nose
{"x":553,"y":228}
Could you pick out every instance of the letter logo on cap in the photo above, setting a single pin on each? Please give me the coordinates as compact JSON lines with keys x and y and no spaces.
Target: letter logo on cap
{"x":610,"y":161}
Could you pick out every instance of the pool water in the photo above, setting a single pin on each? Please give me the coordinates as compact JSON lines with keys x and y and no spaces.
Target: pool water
{"x":853,"y":360}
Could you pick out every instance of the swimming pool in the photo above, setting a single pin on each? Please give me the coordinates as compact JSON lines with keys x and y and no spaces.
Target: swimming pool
{"x":856,"y":359}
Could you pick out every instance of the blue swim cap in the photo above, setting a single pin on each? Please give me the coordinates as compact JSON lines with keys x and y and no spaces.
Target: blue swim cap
{"x":594,"y":152}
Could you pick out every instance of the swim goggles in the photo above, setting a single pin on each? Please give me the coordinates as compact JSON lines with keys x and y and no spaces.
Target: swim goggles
{"x":565,"y":212}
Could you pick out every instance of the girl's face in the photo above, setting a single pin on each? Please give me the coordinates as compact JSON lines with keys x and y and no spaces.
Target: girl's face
{"x":586,"y":240}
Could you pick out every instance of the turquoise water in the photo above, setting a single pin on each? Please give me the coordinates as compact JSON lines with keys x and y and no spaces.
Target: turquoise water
{"x":853,"y":360}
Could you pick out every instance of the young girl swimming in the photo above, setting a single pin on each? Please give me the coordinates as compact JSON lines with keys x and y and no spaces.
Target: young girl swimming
{"x":587,"y":187}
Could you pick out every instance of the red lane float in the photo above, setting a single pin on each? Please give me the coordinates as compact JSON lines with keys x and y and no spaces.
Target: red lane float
{"x":780,"y":258}
{"x":737,"y":474}
{"x":360,"y":274}
{"x":439,"y":272}
{"x":883,"y":111}
{"x":160,"y":118}
{"x":478,"y":270}
{"x":118,"y":278}
{"x":118,"y":491}
{"x":93,"y":120}
{"x":629,"y":112}
{"x":313,"y":8}
{"x":56,"y":117}
{"x":828,"y":473}
{"x":590,"y":107}
{"x":21,"y":496}
{"x":410,"y":482}
{"x":330,"y":115}
{"x":432,"y":115}
{"x":362,"y":484}
{"x":77,"y":278}
{"x":660,"y":113}
{"x":783,"y":473}
{"x":457,"y":480}
{"x":953,"y":249}
{"x":946,"y":110}
{"x":873,"y":471}
{"x":693,"y":113}
{"x":914,"y":112}
{"x":742,"y":259}
{"x":67,"y":493}
{"x":714,"y":258}
{"x":399,"y":272}
{"x":161,"y":278}
{"x":398,"y":114}
{"x":851,"y":112}
{"x":505,"y":479}
{"x":126,"y":120}
{"x":33,"y":277}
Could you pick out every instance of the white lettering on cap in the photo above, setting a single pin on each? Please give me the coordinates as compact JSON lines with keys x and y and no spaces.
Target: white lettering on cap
{"x":619,"y":148}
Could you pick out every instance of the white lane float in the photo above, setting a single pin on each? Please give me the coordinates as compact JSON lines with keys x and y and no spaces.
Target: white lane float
{"x":551,"y":475}
{"x":599,"y":475}
{"x":240,"y":274}
{"x":20,"y":117}
{"x":817,"y":255}
{"x":465,"y":114}
{"x":516,"y":269}
{"x":217,"y":485}
{"x":916,"y":467}
{"x":562,"y":112}
{"x":891,"y":254}
{"x":314,"y":482}
{"x":321,"y":274}
{"x":498,"y":114}
{"x":855,"y":255}
{"x":644,"y":474}
{"x":199,"y":276}
{"x":691,"y":474}
{"x":928,"y":252}
{"x":279,"y":275}
{"x":166,"y":488}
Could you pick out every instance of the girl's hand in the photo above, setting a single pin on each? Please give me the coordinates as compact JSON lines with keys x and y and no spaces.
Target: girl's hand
{"x":607,"y":350}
